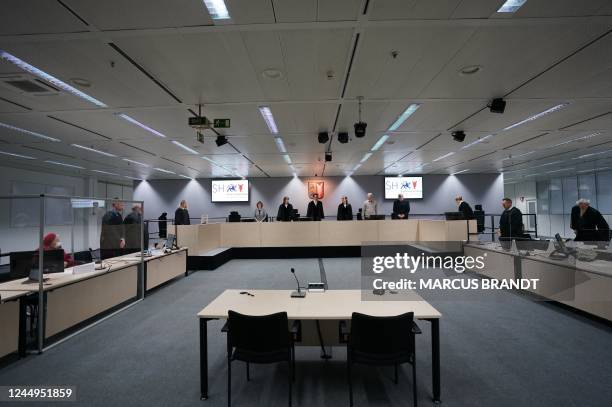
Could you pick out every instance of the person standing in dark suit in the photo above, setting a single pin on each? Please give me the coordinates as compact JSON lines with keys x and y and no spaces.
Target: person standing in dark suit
{"x":315,"y":208}
{"x":181,"y":215}
{"x":345,"y":210}
{"x":112,"y":235}
{"x":285,"y":211}
{"x":132,"y":224}
{"x":588,"y":223}
{"x":511,"y":221}
{"x":163,"y":225}
{"x":464,"y":208}
{"x":401,"y":208}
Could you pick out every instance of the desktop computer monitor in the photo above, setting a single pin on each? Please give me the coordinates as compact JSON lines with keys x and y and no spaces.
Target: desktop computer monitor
{"x":170,"y":242}
{"x":25,"y":264}
{"x":453,"y":215}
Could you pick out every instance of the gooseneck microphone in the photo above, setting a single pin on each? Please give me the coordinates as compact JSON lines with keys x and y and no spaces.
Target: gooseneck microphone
{"x":299,"y":293}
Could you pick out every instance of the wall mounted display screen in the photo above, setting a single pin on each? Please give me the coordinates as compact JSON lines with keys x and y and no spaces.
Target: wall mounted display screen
{"x":410,"y":187}
{"x":230,"y":190}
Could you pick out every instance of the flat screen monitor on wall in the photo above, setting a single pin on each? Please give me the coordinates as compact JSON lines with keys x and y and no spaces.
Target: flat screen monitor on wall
{"x":410,"y":187}
{"x":230,"y":190}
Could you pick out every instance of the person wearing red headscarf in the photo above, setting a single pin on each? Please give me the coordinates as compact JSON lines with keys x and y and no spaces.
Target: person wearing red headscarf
{"x":52,"y":242}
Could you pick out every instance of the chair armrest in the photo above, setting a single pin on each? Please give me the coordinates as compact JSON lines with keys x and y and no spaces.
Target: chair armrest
{"x":225,"y":327}
{"x":415,"y":328}
{"x":344,"y":332}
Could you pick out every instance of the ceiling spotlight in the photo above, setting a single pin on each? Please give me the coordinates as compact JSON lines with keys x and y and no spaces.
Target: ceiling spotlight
{"x":458,"y":136}
{"x":470,"y":70}
{"x":343,"y":138}
{"x":360,"y":127}
{"x":323,"y":137}
{"x":328,"y":156}
{"x":221,"y":140}
{"x":497,"y":105}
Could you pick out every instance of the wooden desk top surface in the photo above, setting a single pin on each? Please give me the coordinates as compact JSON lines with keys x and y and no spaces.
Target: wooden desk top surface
{"x":330,"y":305}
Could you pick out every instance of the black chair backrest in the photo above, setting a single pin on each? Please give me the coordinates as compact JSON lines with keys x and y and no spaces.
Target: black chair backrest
{"x":381,"y":335}
{"x":265,"y":333}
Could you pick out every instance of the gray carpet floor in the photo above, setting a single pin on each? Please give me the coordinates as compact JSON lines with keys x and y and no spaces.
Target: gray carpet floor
{"x":503,"y":351}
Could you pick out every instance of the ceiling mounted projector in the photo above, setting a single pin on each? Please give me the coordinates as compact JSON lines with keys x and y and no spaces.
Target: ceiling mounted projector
{"x":323,"y":137}
{"x":343,"y":138}
{"x":221,"y":140}
{"x":458,"y":136}
{"x":497,"y":106}
{"x":360,"y":129}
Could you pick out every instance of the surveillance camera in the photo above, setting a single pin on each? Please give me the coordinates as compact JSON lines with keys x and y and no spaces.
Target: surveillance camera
{"x":360,"y":129}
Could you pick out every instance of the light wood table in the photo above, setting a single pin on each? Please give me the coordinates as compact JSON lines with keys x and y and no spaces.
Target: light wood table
{"x":332,"y":305}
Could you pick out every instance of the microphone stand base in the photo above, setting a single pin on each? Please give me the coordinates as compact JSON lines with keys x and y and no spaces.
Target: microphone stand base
{"x":298,"y":294}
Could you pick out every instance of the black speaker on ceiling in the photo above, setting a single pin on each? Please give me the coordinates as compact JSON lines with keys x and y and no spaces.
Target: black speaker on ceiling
{"x":343,"y":138}
{"x":323,"y":137}
{"x":458,"y":135}
{"x":498,"y":105}
{"x":360,"y":129}
{"x":328,"y":157}
{"x":221,"y":140}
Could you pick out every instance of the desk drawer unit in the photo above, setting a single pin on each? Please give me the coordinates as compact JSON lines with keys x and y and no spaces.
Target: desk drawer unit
{"x":9,"y":327}
{"x":165,"y":268}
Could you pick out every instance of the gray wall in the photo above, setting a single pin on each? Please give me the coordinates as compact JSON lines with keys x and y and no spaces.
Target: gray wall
{"x":438,"y":195}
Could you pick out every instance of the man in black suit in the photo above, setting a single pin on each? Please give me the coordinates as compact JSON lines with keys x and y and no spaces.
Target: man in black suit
{"x":315,"y":208}
{"x":345,"y":210}
{"x":132,"y":226}
{"x":112,"y":236}
{"x":181,"y":215}
{"x":511,"y":221}
{"x":285,"y":211}
{"x":401,"y":208}
{"x":464,"y":208}
{"x":588,"y":223}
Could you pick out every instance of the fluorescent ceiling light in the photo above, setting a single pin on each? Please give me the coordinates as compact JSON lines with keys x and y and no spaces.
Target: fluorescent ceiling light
{"x":104,"y":172}
{"x":459,"y":172}
{"x":185,"y":176}
{"x":134,"y":178}
{"x":142,"y":126}
{"x":49,"y":78}
{"x":64,"y":164}
{"x":355,"y":168}
{"x":510,"y":6}
{"x":136,"y":162}
{"x":28,"y":132}
{"x":517,"y":156}
{"x":480,"y":140}
{"x":380,"y":142}
{"x":593,"y":170}
{"x":577,"y":139}
{"x":93,"y":150}
{"x":443,"y":157}
{"x":266,"y":113}
{"x":563,"y":169}
{"x":592,"y":154}
{"x":287,"y":158}
{"x":536,"y":116}
{"x":365,"y":158}
{"x":184,"y":147}
{"x":164,"y":171}
{"x":404,"y":116}
{"x":532,"y":175}
{"x":280,"y":145}
{"x":217,"y":9}
{"x":17,"y":155}
{"x":547,"y":164}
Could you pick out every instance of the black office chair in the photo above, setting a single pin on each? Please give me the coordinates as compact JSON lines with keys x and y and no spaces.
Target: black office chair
{"x":260,"y":339}
{"x":381,"y":341}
